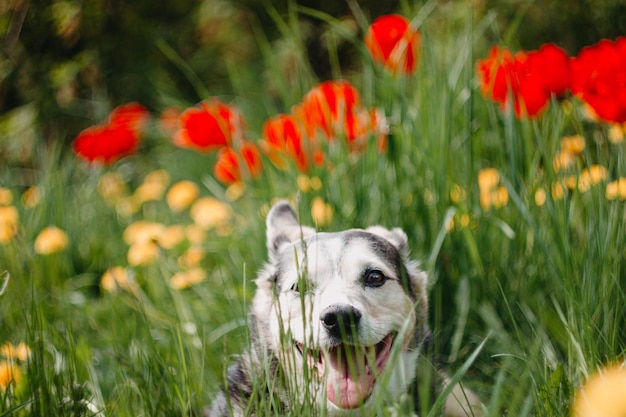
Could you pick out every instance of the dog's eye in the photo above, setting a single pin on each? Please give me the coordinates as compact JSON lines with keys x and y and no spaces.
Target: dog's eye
{"x":374,"y":278}
{"x":294,"y":287}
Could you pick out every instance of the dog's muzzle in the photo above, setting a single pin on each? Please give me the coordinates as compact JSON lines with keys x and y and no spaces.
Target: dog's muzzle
{"x":349,"y":368}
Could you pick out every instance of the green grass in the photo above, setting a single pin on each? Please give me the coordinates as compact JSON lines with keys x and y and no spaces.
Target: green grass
{"x":543,"y":287}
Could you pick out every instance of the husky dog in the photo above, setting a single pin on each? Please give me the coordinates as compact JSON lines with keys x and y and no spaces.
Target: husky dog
{"x":337,"y":325}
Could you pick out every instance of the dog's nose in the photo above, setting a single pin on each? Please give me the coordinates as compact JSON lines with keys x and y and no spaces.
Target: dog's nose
{"x":340,"y":320}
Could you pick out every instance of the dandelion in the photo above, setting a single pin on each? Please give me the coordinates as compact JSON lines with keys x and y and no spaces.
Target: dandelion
{"x":591,"y":176}
{"x":602,"y":395}
{"x":192,"y":257}
{"x":31,"y":197}
{"x":208,"y":213}
{"x":9,"y":218}
{"x":617,"y":132}
{"x":321,"y":212}
{"x":187,"y":279}
{"x":616,"y":189}
{"x":208,"y":127}
{"x":6,"y":196}
{"x":235,"y":191}
{"x":573,"y":144}
{"x":393,"y":43}
{"x":143,"y":231}
{"x":120,"y":136}
{"x":9,"y":374}
{"x":153,"y":186}
{"x":491,"y":192}
{"x":540,"y":197}
{"x":171,"y":236}
{"x":181,"y":195}
{"x":51,"y":240}
{"x":117,"y":277}
{"x":143,"y":253}
{"x":112,"y":187}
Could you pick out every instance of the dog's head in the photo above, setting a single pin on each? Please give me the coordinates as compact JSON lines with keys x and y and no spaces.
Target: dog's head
{"x":344,"y":313}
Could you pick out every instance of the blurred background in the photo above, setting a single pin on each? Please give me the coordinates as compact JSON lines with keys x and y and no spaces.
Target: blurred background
{"x":61,"y":60}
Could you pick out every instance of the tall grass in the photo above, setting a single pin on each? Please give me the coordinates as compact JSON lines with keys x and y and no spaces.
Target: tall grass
{"x":542,"y":285}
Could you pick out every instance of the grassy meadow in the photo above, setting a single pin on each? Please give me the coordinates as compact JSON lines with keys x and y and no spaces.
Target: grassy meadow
{"x":525,"y":254}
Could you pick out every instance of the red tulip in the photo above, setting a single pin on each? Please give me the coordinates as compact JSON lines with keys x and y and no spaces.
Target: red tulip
{"x":393,"y":43}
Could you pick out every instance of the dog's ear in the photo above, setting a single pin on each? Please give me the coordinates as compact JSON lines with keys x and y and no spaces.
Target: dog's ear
{"x":395,"y":236}
{"x":283,"y":227}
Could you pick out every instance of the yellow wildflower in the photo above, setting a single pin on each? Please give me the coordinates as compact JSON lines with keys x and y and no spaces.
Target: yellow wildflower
{"x":143,"y":231}
{"x":235,"y":191}
{"x":153,"y":186}
{"x":187,"y":279}
{"x":563,"y":160}
{"x":540,"y":197}
{"x":603,"y":395}
{"x":616,"y":189}
{"x":117,"y":277}
{"x":9,"y":374}
{"x":192,"y":257}
{"x":573,"y":144}
{"x":457,"y":194}
{"x":112,"y":187}
{"x":31,"y":197}
{"x":9,"y":218}
{"x":6,"y":196}
{"x":617,"y":132}
{"x":594,"y":175}
{"x":321,"y":212}
{"x":558,"y":190}
{"x":488,"y":179}
{"x":171,"y":236}
{"x":143,"y":253}
{"x":51,"y":240}
{"x":23,"y":351}
{"x":209,"y":213}
{"x":491,"y":192}
{"x":181,"y":195}
{"x":195,"y":234}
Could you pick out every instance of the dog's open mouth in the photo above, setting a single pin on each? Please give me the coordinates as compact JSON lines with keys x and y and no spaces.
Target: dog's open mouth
{"x":350,"y":370}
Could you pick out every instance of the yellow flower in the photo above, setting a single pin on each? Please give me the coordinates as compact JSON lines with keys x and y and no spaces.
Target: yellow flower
{"x":9,"y":374}
{"x":192,"y":257}
{"x":540,"y":197}
{"x":209,"y":213}
{"x":563,"y":160}
{"x":235,"y":191}
{"x":51,"y":240}
{"x":23,"y":351}
{"x":573,"y":144}
{"x":112,"y":187}
{"x":594,"y":175}
{"x":617,"y":132}
{"x":118,"y":277}
{"x":321,"y":212}
{"x":195,"y":234}
{"x":31,"y":197}
{"x":143,"y":253}
{"x":142,"y":231}
{"x":491,"y":192}
{"x":181,"y":195}
{"x":457,"y":194}
{"x":603,"y":395}
{"x":171,"y":236}
{"x":187,"y":279}
{"x":6,"y":196}
{"x":153,"y":186}
{"x":616,"y":189}
{"x":558,"y":190}
{"x":9,"y":218}
{"x":488,"y":179}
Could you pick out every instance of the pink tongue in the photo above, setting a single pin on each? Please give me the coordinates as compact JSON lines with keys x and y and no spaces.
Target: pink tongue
{"x":350,"y":381}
